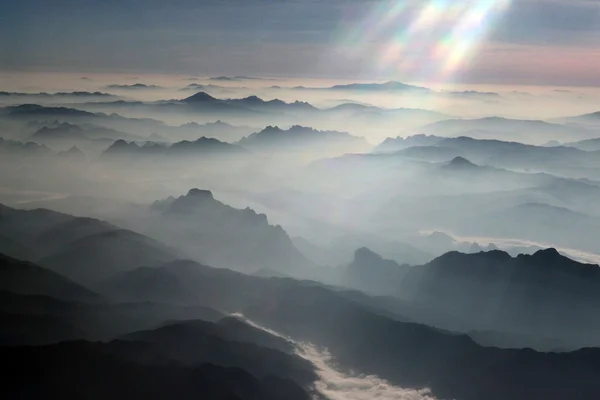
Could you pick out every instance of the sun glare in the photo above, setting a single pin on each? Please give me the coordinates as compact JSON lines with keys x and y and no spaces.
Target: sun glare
{"x":427,"y":42}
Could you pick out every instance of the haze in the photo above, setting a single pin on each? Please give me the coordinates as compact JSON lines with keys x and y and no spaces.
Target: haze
{"x":291,"y":199}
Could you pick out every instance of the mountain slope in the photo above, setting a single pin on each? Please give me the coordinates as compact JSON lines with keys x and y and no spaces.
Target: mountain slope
{"x":83,"y":249}
{"x":223,"y":236}
{"x":367,"y":342}
{"x":299,"y":138}
{"x":122,"y":370}
{"x":26,"y":278}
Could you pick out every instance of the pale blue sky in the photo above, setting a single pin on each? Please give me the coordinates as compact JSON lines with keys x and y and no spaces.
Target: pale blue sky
{"x":533,"y":41}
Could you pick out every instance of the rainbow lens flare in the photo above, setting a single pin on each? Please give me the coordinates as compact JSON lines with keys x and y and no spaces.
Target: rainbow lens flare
{"x":423,"y":41}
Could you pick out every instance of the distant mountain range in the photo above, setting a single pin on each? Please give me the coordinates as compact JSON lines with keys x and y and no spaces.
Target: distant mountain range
{"x":507,"y":129}
{"x":57,"y":95}
{"x":135,"y":86}
{"x":390,"y":86}
{"x":503,"y":154}
{"x":203,"y":145}
{"x":299,"y":138}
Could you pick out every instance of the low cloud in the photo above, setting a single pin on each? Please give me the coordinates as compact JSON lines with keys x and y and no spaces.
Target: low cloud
{"x":336,"y":385}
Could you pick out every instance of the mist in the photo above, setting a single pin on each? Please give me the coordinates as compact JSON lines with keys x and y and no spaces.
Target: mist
{"x":300,"y":200}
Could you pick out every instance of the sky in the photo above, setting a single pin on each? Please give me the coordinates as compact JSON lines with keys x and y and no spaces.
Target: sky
{"x":525,"y":42}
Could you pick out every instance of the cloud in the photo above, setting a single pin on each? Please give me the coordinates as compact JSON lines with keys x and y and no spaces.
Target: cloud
{"x":336,"y":385}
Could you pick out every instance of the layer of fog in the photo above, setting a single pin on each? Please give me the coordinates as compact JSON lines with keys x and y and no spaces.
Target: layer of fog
{"x":333,"y":384}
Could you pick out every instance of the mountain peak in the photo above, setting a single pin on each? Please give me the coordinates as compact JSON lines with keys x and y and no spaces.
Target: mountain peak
{"x":200,"y":193}
{"x":365,"y":256}
{"x":199,"y":98}
{"x":461,"y":162}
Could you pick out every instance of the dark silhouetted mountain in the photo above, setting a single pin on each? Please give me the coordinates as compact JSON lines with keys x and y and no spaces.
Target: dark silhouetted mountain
{"x":196,"y":87}
{"x":256,"y":103}
{"x":370,"y":273}
{"x":204,"y":101}
{"x":229,"y":343}
{"x":114,"y":251}
{"x":299,"y":138}
{"x":460,"y":163}
{"x":224,"y":236}
{"x":44,"y":320}
{"x":23,"y":277}
{"x":367,"y":342}
{"x":205,"y":146}
{"x":63,"y":131}
{"x":200,"y":97}
{"x":133,"y":87}
{"x":543,"y":294}
{"x":34,"y":110}
{"x":503,"y":154}
{"x":50,"y":96}
{"x":218,"y":130}
{"x":75,"y":133}
{"x":237,"y":78}
{"x":126,"y":370}
{"x":341,"y":251}
{"x":83,"y":249}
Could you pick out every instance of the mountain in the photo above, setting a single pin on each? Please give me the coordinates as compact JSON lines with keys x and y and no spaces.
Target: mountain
{"x":114,"y":251}
{"x":53,"y":97}
{"x":13,"y":148}
{"x":73,"y":154}
{"x":218,"y":130}
{"x":545,"y":294}
{"x":341,"y":251}
{"x":498,"y":153}
{"x":224,"y":236}
{"x":71,"y":132}
{"x":249,"y":104}
{"x":238,"y":78}
{"x":135,"y":86}
{"x":64,"y":131}
{"x":124,"y":370}
{"x":229,"y":343}
{"x":372,"y":274}
{"x":36,"y":320}
{"x":256,"y":103}
{"x":83,"y":249}
{"x":299,"y":138}
{"x":203,"y":146}
{"x":506,"y":129}
{"x":26,"y":278}
{"x":390,"y":145}
{"x":390,"y":86}
{"x":586,"y":145}
{"x":361,"y":339}
{"x":37,"y":111}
